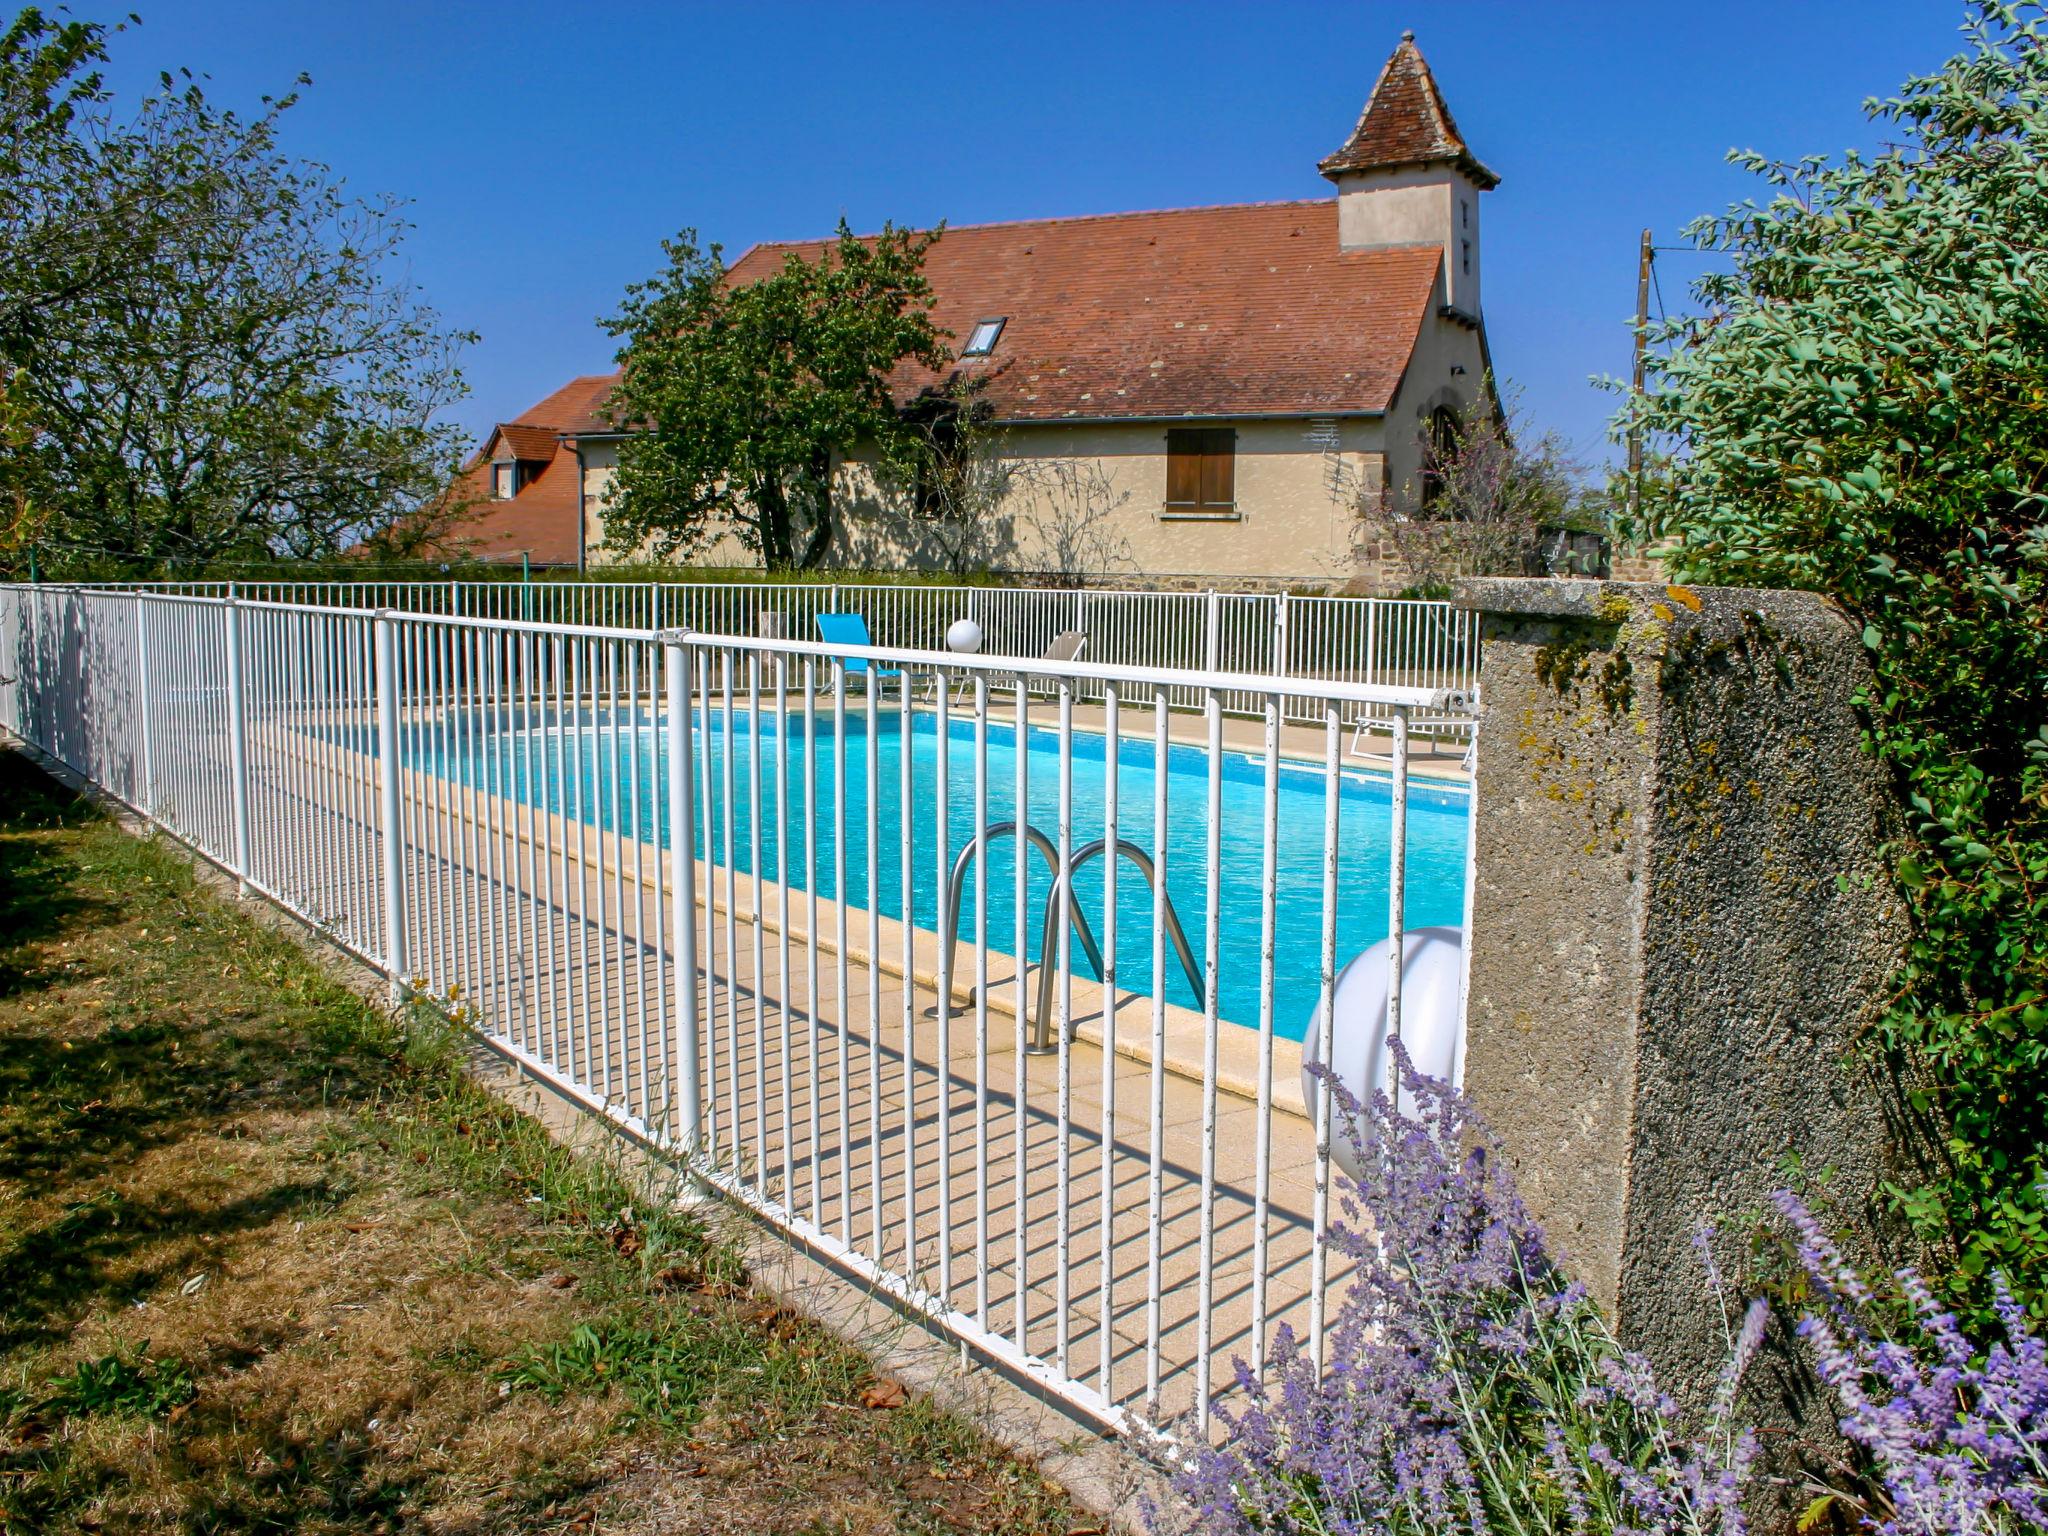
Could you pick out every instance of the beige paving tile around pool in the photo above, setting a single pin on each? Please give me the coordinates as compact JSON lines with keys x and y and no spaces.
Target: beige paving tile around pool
{"x":819,"y":1097}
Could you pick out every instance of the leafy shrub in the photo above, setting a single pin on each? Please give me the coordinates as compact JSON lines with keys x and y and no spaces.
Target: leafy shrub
{"x":1469,"y":1385}
{"x":1857,"y":410}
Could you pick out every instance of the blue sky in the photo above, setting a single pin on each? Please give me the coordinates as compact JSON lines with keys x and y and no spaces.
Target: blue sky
{"x":548,"y":149}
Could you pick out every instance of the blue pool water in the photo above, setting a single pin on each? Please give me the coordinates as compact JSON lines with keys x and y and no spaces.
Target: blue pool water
{"x":581,"y":773}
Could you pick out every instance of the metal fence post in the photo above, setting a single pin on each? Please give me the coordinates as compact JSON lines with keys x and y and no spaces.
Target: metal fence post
{"x":1397,"y":887}
{"x":238,"y":746}
{"x":395,"y":965}
{"x":1212,"y":640}
{"x":146,"y":789}
{"x":1280,"y":633}
{"x":682,"y":863}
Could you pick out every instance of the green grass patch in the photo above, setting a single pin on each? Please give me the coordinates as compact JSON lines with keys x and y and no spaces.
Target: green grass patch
{"x":271,"y":1260}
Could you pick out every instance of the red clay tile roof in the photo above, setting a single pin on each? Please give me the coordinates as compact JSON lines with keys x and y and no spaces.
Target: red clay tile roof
{"x":572,"y":407}
{"x":1247,"y":310}
{"x":1405,"y":122}
{"x":536,"y":444}
{"x":544,"y":520}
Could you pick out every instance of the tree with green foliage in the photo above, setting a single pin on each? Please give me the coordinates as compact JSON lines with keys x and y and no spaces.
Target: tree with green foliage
{"x":1860,"y":408}
{"x":209,"y":358}
{"x":744,"y":398}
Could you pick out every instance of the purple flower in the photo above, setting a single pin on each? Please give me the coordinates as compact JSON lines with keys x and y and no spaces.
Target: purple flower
{"x":1957,"y":1434}
{"x":1466,"y":1385}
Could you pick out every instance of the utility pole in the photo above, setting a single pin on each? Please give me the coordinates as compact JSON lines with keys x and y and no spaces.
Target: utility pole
{"x":1644,"y":257}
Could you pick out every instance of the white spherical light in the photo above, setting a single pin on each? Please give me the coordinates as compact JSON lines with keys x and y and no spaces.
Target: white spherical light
{"x":1432,"y":975}
{"x":964,"y":637}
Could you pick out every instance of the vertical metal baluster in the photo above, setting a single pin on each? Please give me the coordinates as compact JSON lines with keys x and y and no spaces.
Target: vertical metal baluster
{"x":1262,"y":1173}
{"x":702,"y":681}
{"x":682,"y":853}
{"x":448,"y":787}
{"x":528,"y":813}
{"x":484,"y":685}
{"x":414,"y":845}
{"x":641,"y":1067}
{"x":427,"y":842}
{"x":732,"y":905}
{"x":454,"y":785}
{"x":144,"y":694}
{"x":576,"y":887}
{"x":981,"y":787}
{"x":1319,"y":1109}
{"x":1021,"y":948}
{"x":238,"y":746}
{"x":1205,"y":1301}
{"x":1397,"y":889}
{"x":1063,"y":1023}
{"x":554,"y":797}
{"x":942,"y":794}
{"x":786,"y":1119}
{"x":906,"y":802}
{"x":1155,"y":1152}
{"x":393,"y":829}
{"x":611,"y":912}
{"x":758,"y":814}
{"x":814,"y":1083}
{"x":658,"y":1091}
{"x":871,"y":786}
{"x":1112,"y":856}
{"x":840,"y":903}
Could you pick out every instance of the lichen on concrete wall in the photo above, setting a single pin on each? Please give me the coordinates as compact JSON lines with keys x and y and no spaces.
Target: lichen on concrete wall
{"x":1681,"y":926}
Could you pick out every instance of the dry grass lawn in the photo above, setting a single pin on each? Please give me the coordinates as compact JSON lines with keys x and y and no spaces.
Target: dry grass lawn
{"x":269,"y":1261}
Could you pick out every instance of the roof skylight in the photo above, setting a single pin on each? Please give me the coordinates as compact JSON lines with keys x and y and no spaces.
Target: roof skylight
{"x":983,"y":341}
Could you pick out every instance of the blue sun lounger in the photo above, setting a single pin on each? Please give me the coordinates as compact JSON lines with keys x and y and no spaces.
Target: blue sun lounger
{"x":852,"y":629}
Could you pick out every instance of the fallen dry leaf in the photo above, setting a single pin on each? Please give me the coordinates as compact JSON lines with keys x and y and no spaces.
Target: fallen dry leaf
{"x":884,"y":1394}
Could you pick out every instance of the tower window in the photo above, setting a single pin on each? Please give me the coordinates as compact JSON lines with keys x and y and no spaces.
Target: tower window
{"x":983,"y":341}
{"x":1466,"y":256}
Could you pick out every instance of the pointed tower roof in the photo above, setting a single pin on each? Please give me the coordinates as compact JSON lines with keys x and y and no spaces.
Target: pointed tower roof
{"x":1405,"y":122}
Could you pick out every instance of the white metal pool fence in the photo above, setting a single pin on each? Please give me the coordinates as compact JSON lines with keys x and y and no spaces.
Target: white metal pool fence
{"x":1400,"y":642}
{"x":485,"y":809}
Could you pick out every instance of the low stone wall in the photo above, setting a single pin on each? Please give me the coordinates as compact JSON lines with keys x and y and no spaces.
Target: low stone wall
{"x":1680,"y":925}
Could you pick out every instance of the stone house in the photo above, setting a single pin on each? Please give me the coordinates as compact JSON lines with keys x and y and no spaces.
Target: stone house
{"x":1185,"y":394}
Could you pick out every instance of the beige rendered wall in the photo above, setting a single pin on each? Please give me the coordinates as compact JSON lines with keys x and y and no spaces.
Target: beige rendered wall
{"x":1088,"y":498}
{"x":600,"y":467}
{"x":1448,"y":369}
{"x":1415,"y":205}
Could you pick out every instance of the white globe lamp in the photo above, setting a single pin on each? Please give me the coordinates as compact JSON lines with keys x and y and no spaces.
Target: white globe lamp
{"x":1432,"y":976}
{"x":964,"y":636}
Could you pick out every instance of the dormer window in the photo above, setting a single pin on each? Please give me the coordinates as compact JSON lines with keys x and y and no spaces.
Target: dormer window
{"x":983,"y":341}
{"x":504,"y":480}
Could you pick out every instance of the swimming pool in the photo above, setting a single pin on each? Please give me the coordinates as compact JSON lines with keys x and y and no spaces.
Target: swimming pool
{"x":605,"y":772}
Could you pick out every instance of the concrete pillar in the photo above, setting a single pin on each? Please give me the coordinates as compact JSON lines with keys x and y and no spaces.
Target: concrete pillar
{"x":1680,"y":922}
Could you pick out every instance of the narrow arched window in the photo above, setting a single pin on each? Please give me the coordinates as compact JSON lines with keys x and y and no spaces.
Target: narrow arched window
{"x":1440,"y":438}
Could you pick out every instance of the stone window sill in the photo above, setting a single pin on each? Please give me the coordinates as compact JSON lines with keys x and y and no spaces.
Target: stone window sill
{"x":1200,"y":515}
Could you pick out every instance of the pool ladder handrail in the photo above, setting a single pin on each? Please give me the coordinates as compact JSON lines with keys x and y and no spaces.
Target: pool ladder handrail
{"x":1041,"y":1033}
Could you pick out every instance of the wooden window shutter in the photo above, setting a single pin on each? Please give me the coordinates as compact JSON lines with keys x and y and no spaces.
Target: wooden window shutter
{"x":1184,"y":457}
{"x":1219,"y":467}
